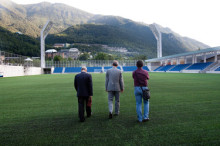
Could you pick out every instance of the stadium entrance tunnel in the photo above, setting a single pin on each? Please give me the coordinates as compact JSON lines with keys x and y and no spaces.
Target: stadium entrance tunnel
{"x":46,"y":70}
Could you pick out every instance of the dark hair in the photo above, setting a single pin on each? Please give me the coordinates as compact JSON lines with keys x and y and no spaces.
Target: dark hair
{"x":115,"y":63}
{"x":139,"y":63}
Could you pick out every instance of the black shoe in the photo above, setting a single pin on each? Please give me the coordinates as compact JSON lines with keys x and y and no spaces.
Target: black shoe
{"x":145,"y":120}
{"x":88,"y":116}
{"x":82,"y":120}
{"x":110,"y":116}
{"x":139,"y":121}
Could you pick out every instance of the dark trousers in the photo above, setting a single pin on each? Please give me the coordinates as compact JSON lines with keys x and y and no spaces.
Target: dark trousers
{"x":81,"y":101}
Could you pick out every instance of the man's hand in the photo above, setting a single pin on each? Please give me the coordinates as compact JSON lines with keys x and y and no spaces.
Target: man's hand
{"x":122,"y":91}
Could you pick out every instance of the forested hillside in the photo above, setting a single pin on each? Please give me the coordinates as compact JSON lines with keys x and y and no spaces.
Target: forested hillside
{"x":18,"y":43}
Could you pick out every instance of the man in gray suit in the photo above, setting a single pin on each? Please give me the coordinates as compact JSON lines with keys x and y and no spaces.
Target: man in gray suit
{"x":114,"y":85}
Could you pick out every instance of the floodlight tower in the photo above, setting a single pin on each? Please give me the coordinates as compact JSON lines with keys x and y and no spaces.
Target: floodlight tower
{"x":44,"y":33}
{"x":158,"y":37}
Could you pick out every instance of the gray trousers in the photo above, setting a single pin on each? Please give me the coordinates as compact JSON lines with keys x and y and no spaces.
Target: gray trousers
{"x":111,"y":95}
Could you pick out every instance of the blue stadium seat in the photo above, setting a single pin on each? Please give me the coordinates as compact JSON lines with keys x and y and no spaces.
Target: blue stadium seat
{"x":72,"y":69}
{"x":199,"y":66}
{"x":146,"y":68}
{"x":164,"y":68}
{"x":218,"y":69}
{"x":158,"y":68}
{"x":94,"y":69}
{"x":133,"y":68}
{"x":58,"y":70}
{"x":129,"y":68}
{"x":179,"y":67}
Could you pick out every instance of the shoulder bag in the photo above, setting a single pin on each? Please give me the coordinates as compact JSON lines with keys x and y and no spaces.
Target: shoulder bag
{"x":146,"y":92}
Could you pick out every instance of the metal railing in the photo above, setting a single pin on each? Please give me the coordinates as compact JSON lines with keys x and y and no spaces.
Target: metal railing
{"x":11,"y":59}
{"x":89,"y":63}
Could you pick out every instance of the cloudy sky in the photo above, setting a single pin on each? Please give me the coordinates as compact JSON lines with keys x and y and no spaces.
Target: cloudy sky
{"x":197,"y":19}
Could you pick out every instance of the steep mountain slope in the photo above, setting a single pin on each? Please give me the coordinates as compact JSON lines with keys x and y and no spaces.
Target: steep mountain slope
{"x":134,"y":37}
{"x":29,"y":19}
{"x":111,"y":30}
{"x":13,"y":18}
{"x":189,"y":43}
{"x":18,"y":44}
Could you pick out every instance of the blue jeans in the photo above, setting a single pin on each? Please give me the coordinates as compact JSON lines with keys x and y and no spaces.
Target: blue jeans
{"x":139,"y":96}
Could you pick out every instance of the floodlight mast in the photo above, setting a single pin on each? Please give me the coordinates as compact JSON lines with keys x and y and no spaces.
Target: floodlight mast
{"x":158,"y":36}
{"x":44,"y":33}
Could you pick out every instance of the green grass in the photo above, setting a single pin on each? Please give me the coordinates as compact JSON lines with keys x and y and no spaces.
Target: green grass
{"x":42,"y":110}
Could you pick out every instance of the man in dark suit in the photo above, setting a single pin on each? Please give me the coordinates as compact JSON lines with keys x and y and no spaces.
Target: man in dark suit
{"x":84,"y":89}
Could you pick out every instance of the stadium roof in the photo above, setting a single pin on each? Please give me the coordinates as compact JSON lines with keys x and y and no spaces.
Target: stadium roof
{"x":184,"y":54}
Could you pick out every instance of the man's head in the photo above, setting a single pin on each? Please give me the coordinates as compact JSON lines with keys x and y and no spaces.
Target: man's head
{"x":115,"y":63}
{"x":83,"y":69}
{"x":139,"y":63}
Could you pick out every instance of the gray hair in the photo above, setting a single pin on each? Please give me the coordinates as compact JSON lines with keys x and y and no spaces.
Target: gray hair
{"x":83,"y":68}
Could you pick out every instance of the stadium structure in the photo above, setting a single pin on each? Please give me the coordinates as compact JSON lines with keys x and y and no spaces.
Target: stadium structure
{"x":201,"y":61}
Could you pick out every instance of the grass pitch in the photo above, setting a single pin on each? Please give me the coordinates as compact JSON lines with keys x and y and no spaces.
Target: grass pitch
{"x":42,"y":110}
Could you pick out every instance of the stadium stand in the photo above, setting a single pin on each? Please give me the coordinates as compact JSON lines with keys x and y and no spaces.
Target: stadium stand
{"x":129,"y":68}
{"x":72,"y":69}
{"x":180,"y":67}
{"x":164,"y":68}
{"x":146,"y":68}
{"x":199,"y":66}
{"x":58,"y":70}
{"x":218,"y":69}
{"x":94,"y":69}
{"x":158,"y":68}
{"x":133,"y":68}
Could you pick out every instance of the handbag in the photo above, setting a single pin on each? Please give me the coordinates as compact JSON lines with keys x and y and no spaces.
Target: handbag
{"x":146,"y":92}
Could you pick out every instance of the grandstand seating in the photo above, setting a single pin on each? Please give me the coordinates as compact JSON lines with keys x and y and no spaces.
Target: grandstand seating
{"x":72,"y":69}
{"x":94,"y":69}
{"x":180,"y":67}
{"x":218,"y":69}
{"x":133,"y":68}
{"x":199,"y":66}
{"x":158,"y":68}
{"x":58,"y":70}
{"x":146,"y":68}
{"x":129,"y":68}
{"x":164,"y":68}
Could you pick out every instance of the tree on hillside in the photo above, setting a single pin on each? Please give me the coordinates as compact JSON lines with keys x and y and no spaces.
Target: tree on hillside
{"x":103,"y":56}
{"x":84,"y":56}
{"x":140,"y":57}
{"x":57,"y":58}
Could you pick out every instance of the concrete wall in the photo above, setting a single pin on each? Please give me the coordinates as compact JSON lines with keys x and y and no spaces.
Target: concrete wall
{"x":12,"y":71}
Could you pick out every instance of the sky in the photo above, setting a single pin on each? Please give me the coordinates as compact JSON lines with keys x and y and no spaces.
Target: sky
{"x":197,"y":19}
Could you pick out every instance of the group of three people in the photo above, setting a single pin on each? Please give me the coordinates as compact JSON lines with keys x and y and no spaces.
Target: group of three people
{"x":114,"y":84}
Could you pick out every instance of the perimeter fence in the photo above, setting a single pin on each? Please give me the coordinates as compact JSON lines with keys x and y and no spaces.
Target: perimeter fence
{"x":89,"y":63}
{"x":11,"y":59}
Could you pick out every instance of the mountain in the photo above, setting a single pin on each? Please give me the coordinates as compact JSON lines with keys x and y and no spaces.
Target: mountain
{"x":189,"y":43}
{"x":29,"y":19}
{"x":87,"y":27}
{"x":18,"y":43}
{"x":134,"y":37}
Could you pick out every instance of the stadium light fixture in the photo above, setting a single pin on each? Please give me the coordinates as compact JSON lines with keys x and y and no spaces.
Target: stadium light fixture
{"x":158,"y":37}
{"x":44,"y":33}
